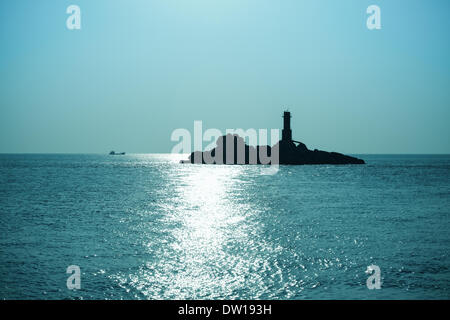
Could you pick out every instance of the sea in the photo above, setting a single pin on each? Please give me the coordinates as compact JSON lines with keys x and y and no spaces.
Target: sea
{"x":144,"y":226}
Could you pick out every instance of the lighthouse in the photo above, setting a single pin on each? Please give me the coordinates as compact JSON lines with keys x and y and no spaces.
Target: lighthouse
{"x":287,"y":132}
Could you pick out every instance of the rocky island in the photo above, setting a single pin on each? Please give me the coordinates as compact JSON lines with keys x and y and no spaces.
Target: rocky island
{"x":232,"y":149}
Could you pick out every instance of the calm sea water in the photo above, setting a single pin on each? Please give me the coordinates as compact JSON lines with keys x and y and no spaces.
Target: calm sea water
{"x":147,"y":227}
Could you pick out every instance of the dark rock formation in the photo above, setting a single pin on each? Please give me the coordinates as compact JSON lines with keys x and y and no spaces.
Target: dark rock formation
{"x":288,"y":153}
{"x":231,"y":149}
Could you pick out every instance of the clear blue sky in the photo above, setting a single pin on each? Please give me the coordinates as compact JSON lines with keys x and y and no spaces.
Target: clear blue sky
{"x":137,"y":70}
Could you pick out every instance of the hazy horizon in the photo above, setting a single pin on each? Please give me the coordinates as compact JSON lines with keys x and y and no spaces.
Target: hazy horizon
{"x":180,"y":154}
{"x":138,"y":70}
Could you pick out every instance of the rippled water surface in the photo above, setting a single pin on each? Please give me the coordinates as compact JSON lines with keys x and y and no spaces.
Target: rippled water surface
{"x":147,"y":227}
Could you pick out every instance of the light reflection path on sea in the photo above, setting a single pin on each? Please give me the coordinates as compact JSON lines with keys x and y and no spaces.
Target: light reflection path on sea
{"x":210,"y":246}
{"x":209,"y":219}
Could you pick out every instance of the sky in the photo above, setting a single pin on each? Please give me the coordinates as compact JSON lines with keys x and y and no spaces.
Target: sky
{"x":139,"y":69}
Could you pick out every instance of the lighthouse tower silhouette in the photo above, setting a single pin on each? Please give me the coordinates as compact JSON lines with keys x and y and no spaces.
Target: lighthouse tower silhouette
{"x":287,"y":132}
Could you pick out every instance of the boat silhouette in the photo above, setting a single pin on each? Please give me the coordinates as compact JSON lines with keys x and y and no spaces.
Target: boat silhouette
{"x":113,"y":153}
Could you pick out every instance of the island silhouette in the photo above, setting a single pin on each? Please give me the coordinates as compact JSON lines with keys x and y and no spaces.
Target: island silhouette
{"x":287,"y":151}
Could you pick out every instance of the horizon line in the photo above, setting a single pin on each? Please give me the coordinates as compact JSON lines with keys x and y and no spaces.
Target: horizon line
{"x":167,"y":153}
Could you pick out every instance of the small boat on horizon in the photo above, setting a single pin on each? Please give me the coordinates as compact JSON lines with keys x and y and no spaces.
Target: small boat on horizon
{"x":113,"y":153}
